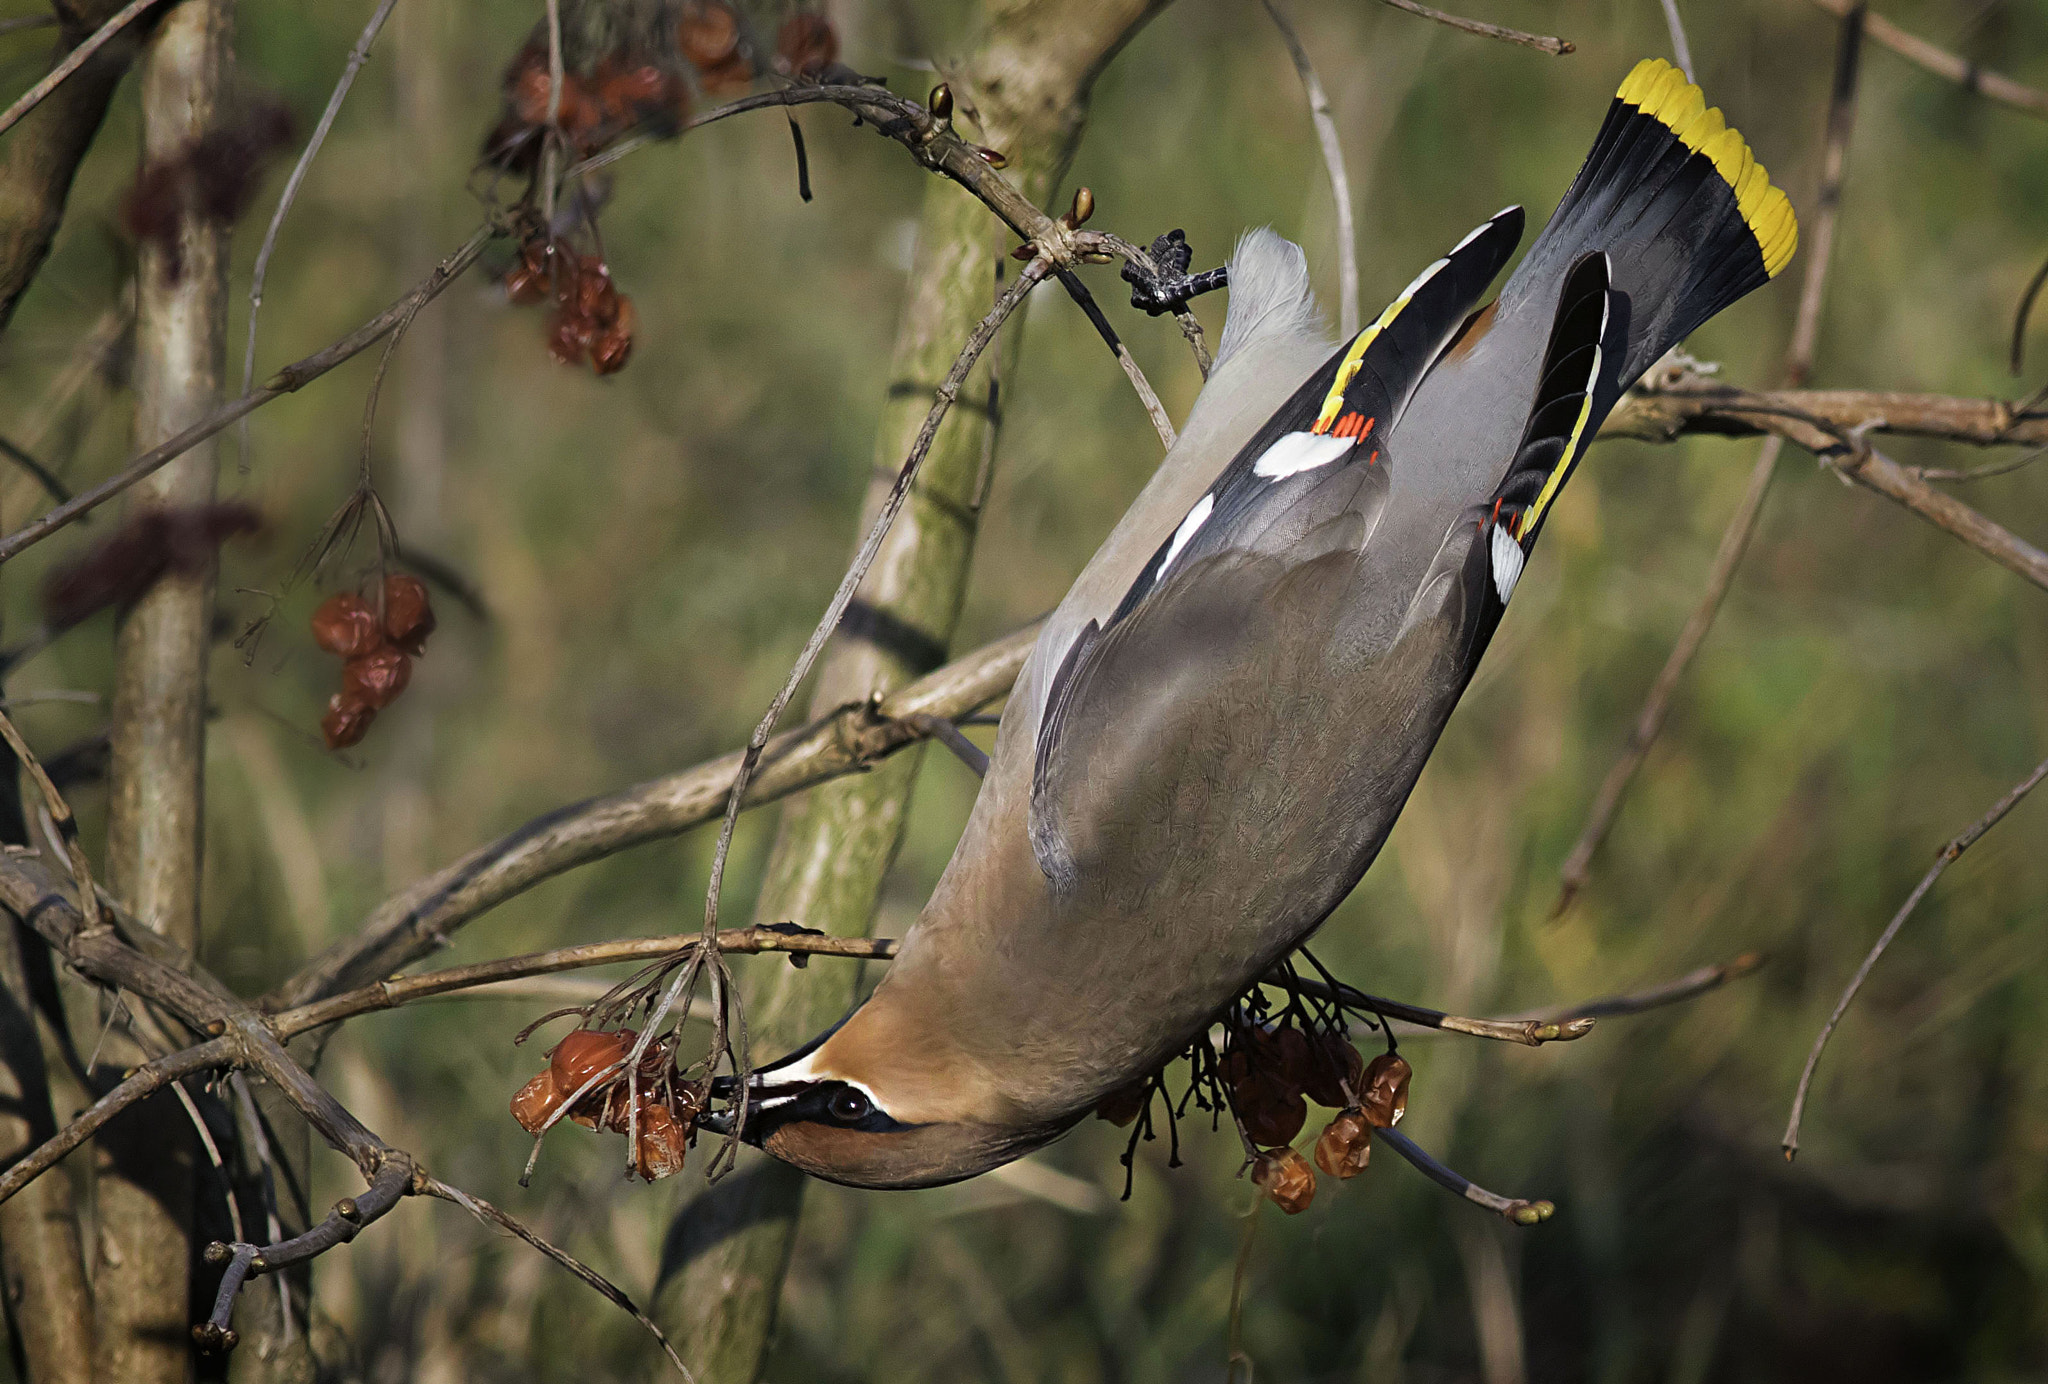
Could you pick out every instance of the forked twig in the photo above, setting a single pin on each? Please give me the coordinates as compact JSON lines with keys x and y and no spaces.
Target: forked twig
{"x":1942,"y":860}
{"x":1943,"y":63}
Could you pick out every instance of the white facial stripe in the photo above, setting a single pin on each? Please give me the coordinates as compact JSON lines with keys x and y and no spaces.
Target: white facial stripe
{"x":1299,"y":451}
{"x":808,"y":1070}
{"x":1507,"y":563}
{"x":1189,"y":527}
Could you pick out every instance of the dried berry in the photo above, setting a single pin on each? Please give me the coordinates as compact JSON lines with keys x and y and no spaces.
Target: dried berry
{"x":1385,"y":1097}
{"x":376,"y":678}
{"x":612,"y":345}
{"x":806,"y":46}
{"x":347,"y":720}
{"x":345,"y":625}
{"x":1286,"y":1179}
{"x":531,"y":279}
{"x":1125,"y":1103}
{"x":568,"y":337}
{"x":659,"y":1150}
{"x":1332,"y":1063}
{"x":709,"y":37}
{"x":408,"y":612}
{"x":1270,"y":1111}
{"x":536,"y":1101}
{"x":1345,"y":1146}
{"x":587,"y":1052}
{"x":643,"y":95}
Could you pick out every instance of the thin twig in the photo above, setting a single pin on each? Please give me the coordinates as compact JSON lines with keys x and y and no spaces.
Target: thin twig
{"x":1528,"y":1032}
{"x":977,"y":341}
{"x":60,"y":817}
{"x":1556,"y":47}
{"x":357,"y":56}
{"x":44,"y":476}
{"x":292,"y":377}
{"x":1513,"y":1210}
{"x":1153,"y":408}
{"x":1681,"y":51}
{"x":1942,"y":860}
{"x":551,"y":150}
{"x":1649,"y":724}
{"x":142,"y":1082}
{"x":73,"y":60}
{"x":1333,"y":163}
{"x":2016,"y":356}
{"x":1978,"y":473}
{"x":1943,"y":63}
{"x":492,"y":1216}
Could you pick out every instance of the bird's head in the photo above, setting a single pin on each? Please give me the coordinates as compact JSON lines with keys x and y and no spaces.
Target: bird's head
{"x":855,"y":1108}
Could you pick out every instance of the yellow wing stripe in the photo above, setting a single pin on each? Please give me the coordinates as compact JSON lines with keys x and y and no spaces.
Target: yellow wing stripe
{"x":1526,"y":524}
{"x":1347,"y":369}
{"x":1661,"y":91}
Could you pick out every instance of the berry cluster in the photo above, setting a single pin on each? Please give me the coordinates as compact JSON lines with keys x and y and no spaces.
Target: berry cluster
{"x":377,"y":652}
{"x":592,"y":320}
{"x":667,"y":1114}
{"x":1267,"y":1074}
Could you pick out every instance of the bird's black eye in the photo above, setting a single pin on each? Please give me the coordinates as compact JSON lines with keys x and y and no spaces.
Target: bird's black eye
{"x":849,"y":1106}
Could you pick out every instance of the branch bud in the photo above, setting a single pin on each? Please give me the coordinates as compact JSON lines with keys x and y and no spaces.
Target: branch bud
{"x":940,"y":102}
{"x":1083,"y":208}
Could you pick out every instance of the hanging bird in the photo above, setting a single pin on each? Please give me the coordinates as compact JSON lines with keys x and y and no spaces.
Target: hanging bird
{"x":1221,"y":721}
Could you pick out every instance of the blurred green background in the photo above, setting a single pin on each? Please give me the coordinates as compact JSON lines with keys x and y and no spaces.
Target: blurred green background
{"x":655,"y":546}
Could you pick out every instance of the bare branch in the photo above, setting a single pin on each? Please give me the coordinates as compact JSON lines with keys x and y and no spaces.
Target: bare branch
{"x":1556,"y":47}
{"x":413,"y":922}
{"x":1649,"y":723}
{"x":1681,"y":51}
{"x":294,"y":376}
{"x":1333,"y":164}
{"x":1942,"y":860}
{"x":1513,"y":1210}
{"x":1943,"y":63}
{"x":492,"y":1216}
{"x":357,"y":56}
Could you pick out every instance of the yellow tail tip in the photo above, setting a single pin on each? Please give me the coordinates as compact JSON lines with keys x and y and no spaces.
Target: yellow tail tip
{"x":1660,"y":91}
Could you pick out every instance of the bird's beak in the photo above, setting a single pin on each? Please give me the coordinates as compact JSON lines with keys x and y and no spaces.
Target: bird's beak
{"x":726,"y":1088}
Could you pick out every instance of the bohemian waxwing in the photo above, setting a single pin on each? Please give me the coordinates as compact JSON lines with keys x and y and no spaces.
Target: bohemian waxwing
{"x":1221,"y":721}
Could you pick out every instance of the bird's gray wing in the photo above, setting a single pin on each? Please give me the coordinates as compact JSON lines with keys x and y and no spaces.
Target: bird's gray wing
{"x":1309,"y":486}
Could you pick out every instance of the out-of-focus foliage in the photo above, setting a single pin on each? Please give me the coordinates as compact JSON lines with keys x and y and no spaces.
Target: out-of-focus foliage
{"x":654,"y":546}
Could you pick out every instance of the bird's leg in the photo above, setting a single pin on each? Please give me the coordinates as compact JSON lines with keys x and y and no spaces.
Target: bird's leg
{"x":1171,"y":287}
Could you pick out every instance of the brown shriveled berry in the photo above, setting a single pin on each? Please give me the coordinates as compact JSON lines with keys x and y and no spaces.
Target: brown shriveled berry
{"x":612,"y":345}
{"x":708,"y":35}
{"x":1125,"y":1103}
{"x":585,"y":1053}
{"x":536,"y":1101}
{"x":1270,"y":1112}
{"x":1345,"y":1146}
{"x":1333,"y":1062}
{"x":596,"y":299}
{"x":807,"y":45}
{"x":529,"y":280}
{"x":640,"y":94}
{"x":376,"y":678}
{"x":1292,"y":1056}
{"x":1286,"y":1178}
{"x":408,"y":612}
{"x":659,"y":1150}
{"x":345,"y":625}
{"x":1385,"y":1097}
{"x":569,"y":336}
{"x":347,"y":721}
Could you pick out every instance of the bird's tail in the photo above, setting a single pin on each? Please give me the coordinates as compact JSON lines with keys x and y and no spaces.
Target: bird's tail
{"x":1687,"y":217}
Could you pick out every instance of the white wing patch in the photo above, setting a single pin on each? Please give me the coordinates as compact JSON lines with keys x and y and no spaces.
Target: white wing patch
{"x":1189,"y":527}
{"x":1297,"y":452}
{"x":1507,"y":563}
